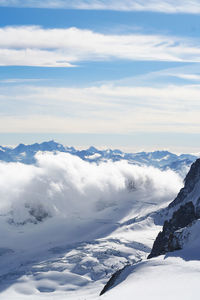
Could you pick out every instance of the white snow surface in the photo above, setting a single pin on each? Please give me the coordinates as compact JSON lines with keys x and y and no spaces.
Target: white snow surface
{"x":93,"y":156}
{"x":67,"y":225}
{"x":173,"y":276}
{"x":159,"y":278}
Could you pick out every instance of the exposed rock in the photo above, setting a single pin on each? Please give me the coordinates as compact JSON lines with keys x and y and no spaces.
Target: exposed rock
{"x":112,"y":281}
{"x":188,"y":210}
{"x":191,"y":179}
{"x":168,"y":239}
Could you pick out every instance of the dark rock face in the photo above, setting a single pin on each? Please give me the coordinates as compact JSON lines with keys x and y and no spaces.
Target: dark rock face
{"x":111,"y":282}
{"x":190,"y":181}
{"x":167,"y":240}
{"x":181,"y":218}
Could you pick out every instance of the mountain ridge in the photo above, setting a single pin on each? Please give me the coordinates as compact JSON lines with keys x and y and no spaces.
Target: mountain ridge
{"x":184,"y":211}
{"x":160,"y":159}
{"x":177,"y":244}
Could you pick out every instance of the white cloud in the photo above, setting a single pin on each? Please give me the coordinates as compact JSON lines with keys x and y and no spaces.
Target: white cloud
{"x":192,"y":77}
{"x":164,"y":6}
{"x":32,"y":57}
{"x":100,"y":109}
{"x":35,"y":46}
{"x":20,"y":80}
{"x":64,"y":186}
{"x":163,"y":78}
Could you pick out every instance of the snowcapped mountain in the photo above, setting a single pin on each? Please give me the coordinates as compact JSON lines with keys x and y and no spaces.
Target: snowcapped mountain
{"x":25,"y":153}
{"x":175,"y":256}
{"x":160,"y":159}
{"x":182,"y":214}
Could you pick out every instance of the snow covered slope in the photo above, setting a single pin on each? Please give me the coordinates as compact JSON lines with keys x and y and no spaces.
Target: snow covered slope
{"x":159,"y":278}
{"x":66,"y":225}
{"x":182,"y":213}
{"x":175,"y":275}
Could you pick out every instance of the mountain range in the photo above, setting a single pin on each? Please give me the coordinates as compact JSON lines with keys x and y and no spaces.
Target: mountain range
{"x":159,"y":159}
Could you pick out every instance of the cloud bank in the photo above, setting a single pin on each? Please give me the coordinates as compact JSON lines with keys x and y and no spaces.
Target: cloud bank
{"x":107,"y":108}
{"x":36,"y":46}
{"x":163,"y":6}
{"x":66,"y":187}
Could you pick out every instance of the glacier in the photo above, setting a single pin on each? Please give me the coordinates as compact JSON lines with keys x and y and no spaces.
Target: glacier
{"x":68,"y":222}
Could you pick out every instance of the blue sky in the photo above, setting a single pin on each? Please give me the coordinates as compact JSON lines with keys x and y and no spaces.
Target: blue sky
{"x":122,"y":74}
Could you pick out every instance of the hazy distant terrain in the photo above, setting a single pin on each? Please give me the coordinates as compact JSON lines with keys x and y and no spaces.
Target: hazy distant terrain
{"x":163,"y":160}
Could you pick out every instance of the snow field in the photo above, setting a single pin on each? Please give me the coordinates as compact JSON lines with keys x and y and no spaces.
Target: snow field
{"x":66,"y":225}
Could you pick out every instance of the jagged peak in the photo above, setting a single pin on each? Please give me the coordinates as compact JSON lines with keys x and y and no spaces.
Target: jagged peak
{"x":184,"y":210}
{"x":192,"y":177}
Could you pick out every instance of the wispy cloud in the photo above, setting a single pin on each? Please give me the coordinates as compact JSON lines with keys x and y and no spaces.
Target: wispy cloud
{"x":191,"y":77}
{"x":164,"y":6}
{"x":20,"y":80}
{"x":100,"y":109}
{"x":35,"y":46}
{"x":162,"y":78}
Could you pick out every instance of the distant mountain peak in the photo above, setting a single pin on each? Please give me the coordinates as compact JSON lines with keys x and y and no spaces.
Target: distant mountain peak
{"x":92,"y":149}
{"x":161,"y":159}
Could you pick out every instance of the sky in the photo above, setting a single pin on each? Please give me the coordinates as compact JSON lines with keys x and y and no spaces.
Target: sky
{"x":113,"y":74}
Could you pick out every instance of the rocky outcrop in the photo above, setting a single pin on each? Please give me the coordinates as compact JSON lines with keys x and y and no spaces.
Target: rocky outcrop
{"x":171,"y":237}
{"x":111,"y":282}
{"x":168,"y":239}
{"x":190,"y":181}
